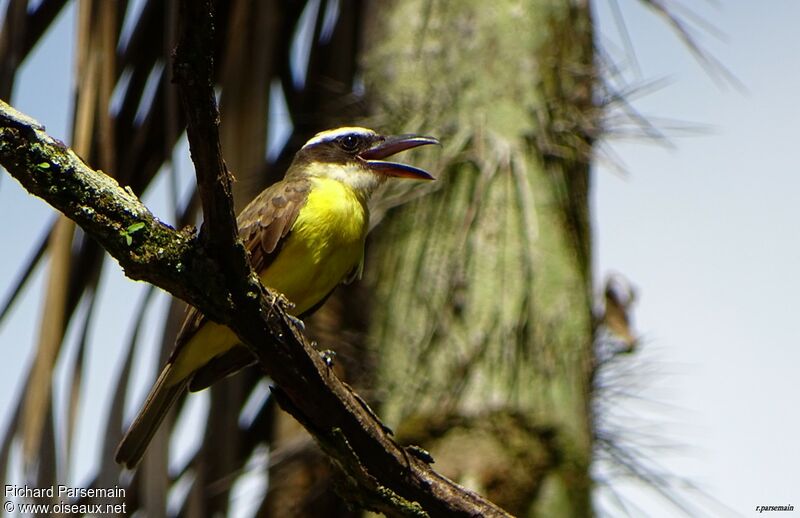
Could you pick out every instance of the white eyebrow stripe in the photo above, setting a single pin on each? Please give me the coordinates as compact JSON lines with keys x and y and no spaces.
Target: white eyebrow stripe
{"x":329,"y":135}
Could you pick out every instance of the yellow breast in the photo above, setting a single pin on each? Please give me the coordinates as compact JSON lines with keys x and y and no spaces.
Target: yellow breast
{"x":325,"y":245}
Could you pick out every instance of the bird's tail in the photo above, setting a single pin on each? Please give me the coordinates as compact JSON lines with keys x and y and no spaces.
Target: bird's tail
{"x":161,"y":398}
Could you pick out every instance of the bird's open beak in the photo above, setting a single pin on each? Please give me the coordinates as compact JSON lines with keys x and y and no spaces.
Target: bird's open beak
{"x":392,"y":145}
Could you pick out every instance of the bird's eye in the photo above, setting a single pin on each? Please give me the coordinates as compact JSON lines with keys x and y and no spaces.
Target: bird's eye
{"x":349,"y":143}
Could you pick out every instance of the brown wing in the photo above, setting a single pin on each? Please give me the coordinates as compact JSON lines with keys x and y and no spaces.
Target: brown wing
{"x":263,"y":224}
{"x":268,"y":219}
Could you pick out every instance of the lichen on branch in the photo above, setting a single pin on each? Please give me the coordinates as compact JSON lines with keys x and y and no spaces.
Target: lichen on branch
{"x":146,"y":248}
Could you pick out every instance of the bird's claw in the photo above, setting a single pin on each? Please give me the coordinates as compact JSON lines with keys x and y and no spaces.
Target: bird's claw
{"x":327,"y":357}
{"x":296,"y":322}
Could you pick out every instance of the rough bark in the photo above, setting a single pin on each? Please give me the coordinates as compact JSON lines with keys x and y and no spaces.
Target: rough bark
{"x":482,"y":289}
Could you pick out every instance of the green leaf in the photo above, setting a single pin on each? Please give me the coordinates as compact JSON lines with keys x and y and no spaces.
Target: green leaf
{"x":135,"y":227}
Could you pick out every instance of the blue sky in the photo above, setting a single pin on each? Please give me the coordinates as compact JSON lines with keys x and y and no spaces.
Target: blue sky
{"x":706,"y":228}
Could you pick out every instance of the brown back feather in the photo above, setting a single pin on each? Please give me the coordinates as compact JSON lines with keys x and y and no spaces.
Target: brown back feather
{"x":264,"y":225}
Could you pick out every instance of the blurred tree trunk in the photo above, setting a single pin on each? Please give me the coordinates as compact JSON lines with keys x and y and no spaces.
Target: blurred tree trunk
{"x":481,"y":290}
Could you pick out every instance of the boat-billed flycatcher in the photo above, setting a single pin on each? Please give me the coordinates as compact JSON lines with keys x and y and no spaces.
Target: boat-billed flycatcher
{"x":305,"y":235}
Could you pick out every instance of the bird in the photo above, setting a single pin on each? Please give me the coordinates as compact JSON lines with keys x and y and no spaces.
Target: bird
{"x":620,"y":298}
{"x":305,"y":235}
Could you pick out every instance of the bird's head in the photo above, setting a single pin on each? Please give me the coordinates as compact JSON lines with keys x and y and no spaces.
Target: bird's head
{"x":355,"y":156}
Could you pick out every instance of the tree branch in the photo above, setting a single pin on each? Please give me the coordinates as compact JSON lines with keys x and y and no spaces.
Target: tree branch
{"x":380,"y":475}
{"x":193,"y":69}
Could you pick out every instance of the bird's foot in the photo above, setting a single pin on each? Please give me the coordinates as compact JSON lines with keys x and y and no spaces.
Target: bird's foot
{"x":280,"y":299}
{"x":297,"y":323}
{"x":328,"y":357}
